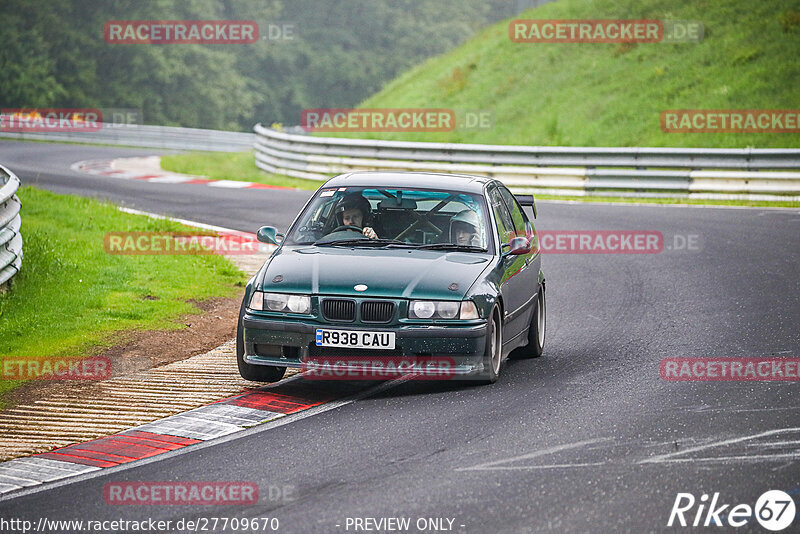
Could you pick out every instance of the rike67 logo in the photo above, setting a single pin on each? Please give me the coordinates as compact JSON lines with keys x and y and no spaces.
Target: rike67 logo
{"x":774,"y":510}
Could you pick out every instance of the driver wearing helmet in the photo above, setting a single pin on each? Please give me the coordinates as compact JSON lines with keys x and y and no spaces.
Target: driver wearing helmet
{"x":464,"y":228}
{"x":353,"y":210}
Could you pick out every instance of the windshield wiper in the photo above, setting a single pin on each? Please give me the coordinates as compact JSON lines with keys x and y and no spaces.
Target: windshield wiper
{"x":365,"y":241}
{"x":452,"y":246}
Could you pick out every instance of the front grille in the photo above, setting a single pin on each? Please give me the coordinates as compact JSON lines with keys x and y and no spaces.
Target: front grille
{"x":339,"y":309}
{"x":377,"y":311}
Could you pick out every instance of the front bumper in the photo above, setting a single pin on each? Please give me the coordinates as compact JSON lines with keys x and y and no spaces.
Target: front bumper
{"x":292,"y":343}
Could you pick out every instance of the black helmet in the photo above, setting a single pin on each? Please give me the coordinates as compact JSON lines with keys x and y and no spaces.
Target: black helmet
{"x":353,"y":201}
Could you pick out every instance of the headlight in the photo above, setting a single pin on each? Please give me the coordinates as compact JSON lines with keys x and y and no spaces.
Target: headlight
{"x":447,"y":310}
{"x":442,"y":309}
{"x":280,"y":302}
{"x":299,"y":304}
{"x":276,"y":301}
{"x":421,"y":309}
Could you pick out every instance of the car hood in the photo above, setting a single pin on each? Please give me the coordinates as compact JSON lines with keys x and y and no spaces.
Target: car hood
{"x":392,"y":273}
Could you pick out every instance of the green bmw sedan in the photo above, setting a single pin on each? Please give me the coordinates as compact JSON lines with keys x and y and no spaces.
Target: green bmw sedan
{"x":386,"y":274}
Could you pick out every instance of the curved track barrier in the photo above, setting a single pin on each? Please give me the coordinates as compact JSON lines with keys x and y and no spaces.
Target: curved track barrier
{"x":10,"y":222}
{"x":146,"y":136}
{"x":754,"y":174}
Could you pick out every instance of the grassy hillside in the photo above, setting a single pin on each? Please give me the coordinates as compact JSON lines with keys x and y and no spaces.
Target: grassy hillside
{"x":612,"y":94}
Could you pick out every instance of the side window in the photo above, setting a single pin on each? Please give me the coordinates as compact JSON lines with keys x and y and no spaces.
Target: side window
{"x":323,"y":213}
{"x":505,"y":225}
{"x":517,"y":215}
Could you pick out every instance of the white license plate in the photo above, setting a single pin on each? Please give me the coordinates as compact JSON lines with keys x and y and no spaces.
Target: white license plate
{"x":355,"y":339}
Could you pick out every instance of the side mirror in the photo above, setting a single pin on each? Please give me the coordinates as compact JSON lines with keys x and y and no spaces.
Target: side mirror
{"x":269,"y":234}
{"x":519,"y":245}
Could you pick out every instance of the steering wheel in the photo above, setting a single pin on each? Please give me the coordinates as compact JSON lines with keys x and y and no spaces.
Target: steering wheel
{"x":347,"y":227}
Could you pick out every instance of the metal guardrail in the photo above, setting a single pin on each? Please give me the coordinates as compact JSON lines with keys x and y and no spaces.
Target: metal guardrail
{"x":150,"y":137}
{"x":10,"y":222}
{"x":768,"y":174}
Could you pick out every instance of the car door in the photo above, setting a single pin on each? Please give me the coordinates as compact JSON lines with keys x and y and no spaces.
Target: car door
{"x":512,"y":286}
{"x":529,"y":276}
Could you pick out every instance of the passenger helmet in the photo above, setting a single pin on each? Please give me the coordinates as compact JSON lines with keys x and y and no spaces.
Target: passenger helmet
{"x":468,"y":220}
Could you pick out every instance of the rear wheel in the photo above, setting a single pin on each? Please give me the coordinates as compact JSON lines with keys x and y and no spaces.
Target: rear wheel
{"x":493,"y":354}
{"x":256,"y":373}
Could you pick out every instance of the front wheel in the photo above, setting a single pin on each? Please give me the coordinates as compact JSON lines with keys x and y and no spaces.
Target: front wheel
{"x":493,"y":354}
{"x":256,"y":373}
{"x":536,"y":330}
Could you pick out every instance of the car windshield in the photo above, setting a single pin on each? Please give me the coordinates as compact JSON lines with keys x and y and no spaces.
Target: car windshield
{"x":375,"y":217}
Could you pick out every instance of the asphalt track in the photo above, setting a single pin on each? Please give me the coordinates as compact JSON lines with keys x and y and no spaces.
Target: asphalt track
{"x":586,"y":438}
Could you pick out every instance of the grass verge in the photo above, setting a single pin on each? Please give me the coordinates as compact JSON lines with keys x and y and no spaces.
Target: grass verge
{"x":71,"y":298}
{"x":231,"y":166}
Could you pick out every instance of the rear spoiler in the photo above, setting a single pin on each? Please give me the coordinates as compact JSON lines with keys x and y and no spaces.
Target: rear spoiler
{"x":527,"y":200}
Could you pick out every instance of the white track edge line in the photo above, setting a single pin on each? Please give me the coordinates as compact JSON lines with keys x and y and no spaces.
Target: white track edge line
{"x":178,"y":220}
{"x":263,"y":427}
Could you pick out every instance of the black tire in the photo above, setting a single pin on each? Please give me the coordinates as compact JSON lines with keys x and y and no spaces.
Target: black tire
{"x":493,"y":353}
{"x":537,"y":328}
{"x":256,"y":373}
